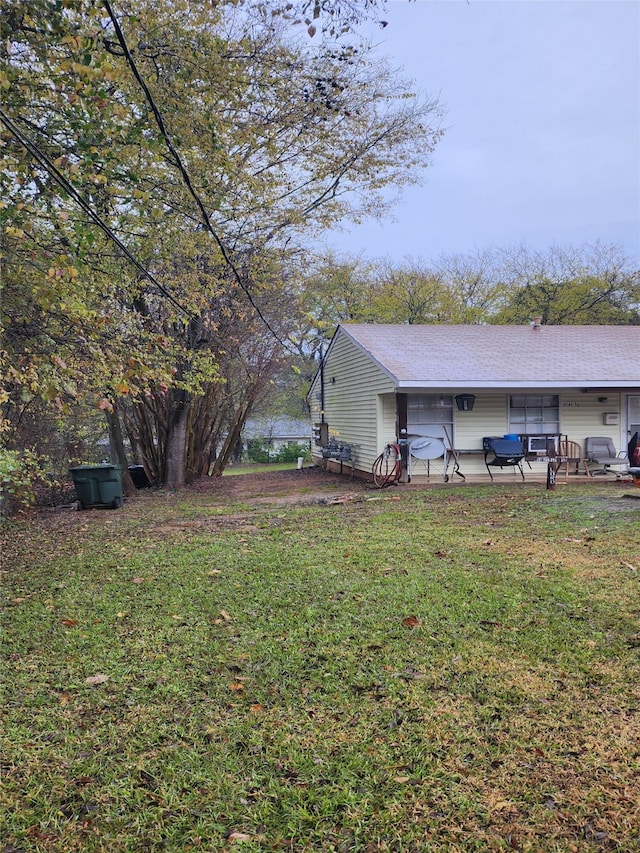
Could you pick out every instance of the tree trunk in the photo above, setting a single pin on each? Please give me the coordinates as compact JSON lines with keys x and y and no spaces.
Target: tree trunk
{"x":175,"y":471}
{"x":143,"y":425}
{"x":117,"y":452}
{"x":206,"y":418}
{"x":233,"y":436}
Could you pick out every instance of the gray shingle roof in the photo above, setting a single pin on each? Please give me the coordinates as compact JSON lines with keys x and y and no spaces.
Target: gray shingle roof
{"x":494,"y":356}
{"x":281,"y":428}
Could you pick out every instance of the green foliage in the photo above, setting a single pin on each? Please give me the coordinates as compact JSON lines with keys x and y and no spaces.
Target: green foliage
{"x":592,"y":285}
{"x":210,"y":151}
{"x":260,"y":451}
{"x":574,"y":302}
{"x":20,"y":471}
{"x":595,"y":285}
{"x":293,"y":452}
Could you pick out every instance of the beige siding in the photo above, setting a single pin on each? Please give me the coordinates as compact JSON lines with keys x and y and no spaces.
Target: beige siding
{"x":353,"y":384}
{"x":387,"y":421}
{"x":582,"y":415}
{"x":490,"y":416}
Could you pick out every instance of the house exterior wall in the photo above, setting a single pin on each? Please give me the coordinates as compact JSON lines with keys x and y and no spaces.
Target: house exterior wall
{"x":360,"y":409}
{"x":387,"y":431}
{"x":353,"y":410}
{"x":581,"y":415}
{"x":490,"y":416}
{"x":276,"y":433}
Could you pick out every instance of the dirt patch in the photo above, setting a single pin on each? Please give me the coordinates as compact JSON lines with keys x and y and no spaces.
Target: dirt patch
{"x":625,"y":502}
{"x":306,"y":485}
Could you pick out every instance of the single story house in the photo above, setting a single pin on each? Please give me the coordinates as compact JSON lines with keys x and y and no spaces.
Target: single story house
{"x":277,"y":432}
{"x":379,"y":383}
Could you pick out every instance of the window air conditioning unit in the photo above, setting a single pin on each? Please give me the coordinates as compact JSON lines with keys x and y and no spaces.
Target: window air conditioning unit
{"x":542,"y":444}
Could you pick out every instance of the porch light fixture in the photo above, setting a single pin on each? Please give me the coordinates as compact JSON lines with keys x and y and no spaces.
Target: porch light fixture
{"x":465,"y":402}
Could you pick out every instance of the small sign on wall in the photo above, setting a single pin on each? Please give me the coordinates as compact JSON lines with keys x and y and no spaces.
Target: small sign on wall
{"x":611,"y":418}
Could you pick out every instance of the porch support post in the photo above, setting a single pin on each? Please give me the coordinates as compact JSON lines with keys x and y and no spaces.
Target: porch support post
{"x":401,"y":433}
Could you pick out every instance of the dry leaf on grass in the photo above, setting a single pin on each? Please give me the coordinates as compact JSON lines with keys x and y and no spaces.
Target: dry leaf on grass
{"x":238,"y":836}
{"x":93,"y":680}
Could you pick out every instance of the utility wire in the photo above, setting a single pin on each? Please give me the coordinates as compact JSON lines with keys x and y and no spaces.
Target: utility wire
{"x":60,"y":179}
{"x":184,"y":172}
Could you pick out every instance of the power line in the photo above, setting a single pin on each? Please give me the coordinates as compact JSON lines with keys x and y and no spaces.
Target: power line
{"x":62,"y":181}
{"x":184,"y":172}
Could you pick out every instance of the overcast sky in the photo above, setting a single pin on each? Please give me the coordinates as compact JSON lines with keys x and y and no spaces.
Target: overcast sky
{"x":543,"y":126}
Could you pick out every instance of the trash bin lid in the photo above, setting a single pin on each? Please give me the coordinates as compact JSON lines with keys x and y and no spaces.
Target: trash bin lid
{"x":101,"y":466}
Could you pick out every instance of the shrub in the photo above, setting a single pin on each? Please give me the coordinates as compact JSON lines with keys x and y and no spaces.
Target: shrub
{"x":20,"y":471}
{"x":293,"y":451}
{"x":257,"y":451}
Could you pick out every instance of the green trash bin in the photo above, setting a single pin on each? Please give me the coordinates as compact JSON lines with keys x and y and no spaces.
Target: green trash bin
{"x":98,"y":485}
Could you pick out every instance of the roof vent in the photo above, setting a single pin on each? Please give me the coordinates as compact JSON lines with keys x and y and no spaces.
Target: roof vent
{"x":537,"y":323}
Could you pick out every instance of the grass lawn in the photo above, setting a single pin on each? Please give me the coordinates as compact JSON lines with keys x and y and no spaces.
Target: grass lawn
{"x":445,"y":669}
{"x":253,"y":467}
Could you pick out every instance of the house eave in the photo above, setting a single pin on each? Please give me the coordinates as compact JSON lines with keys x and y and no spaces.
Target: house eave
{"x":474,"y":385}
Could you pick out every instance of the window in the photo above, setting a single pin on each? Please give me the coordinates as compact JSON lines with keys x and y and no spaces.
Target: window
{"x":534,"y":414}
{"x":430,"y":414}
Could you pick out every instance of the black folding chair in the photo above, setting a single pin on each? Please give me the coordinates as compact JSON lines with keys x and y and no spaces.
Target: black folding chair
{"x":504,"y":453}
